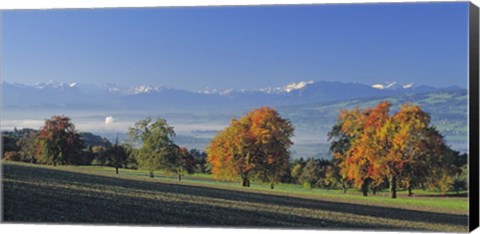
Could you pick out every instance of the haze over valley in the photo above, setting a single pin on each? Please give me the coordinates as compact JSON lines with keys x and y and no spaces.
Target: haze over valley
{"x":110,"y":109}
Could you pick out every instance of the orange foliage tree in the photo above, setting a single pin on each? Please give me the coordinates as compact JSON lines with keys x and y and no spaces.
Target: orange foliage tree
{"x":372,"y":146}
{"x":256,"y":145}
{"x":417,"y":152}
{"x":59,"y":142}
{"x":348,"y":128}
{"x":359,"y":162}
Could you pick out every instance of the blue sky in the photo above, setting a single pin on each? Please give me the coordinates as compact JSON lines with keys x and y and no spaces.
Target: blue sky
{"x":239,"y":47}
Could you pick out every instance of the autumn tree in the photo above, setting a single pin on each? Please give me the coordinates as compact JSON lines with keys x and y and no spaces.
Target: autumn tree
{"x":404,"y":148}
{"x":256,"y":145}
{"x":271,"y":135}
{"x":229,"y":153}
{"x":343,"y":133}
{"x":407,"y":161}
{"x":156,"y":143}
{"x":415,"y":151}
{"x":59,"y":142}
{"x":353,"y":147}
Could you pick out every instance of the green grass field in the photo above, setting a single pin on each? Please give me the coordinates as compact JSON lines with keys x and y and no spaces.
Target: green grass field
{"x":94,"y":195}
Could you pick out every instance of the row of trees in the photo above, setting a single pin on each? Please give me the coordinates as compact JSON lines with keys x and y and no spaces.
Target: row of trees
{"x":58,"y":142}
{"x":321,"y":173}
{"x":371,"y":149}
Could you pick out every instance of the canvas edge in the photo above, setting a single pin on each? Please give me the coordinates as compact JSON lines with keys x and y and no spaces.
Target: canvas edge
{"x":473,"y":116}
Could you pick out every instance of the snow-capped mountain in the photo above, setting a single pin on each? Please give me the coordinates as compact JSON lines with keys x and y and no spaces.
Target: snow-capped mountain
{"x":140,"y":89}
{"x":76,"y":94}
{"x":44,"y":94}
{"x":387,"y":85}
{"x":297,"y":86}
{"x":51,"y":84}
{"x":287,"y":88}
{"x":393,"y":85}
{"x":207,"y":90}
{"x":408,"y":85}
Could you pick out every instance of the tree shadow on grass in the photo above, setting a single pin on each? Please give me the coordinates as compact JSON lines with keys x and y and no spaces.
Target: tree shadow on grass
{"x":441,"y":195}
{"x":39,"y":204}
{"x":169,"y":213}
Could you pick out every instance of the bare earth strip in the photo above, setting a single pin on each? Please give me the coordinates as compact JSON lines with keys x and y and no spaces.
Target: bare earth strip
{"x":33,"y":194}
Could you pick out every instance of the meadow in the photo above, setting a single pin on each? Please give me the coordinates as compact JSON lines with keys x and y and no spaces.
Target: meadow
{"x":95,"y":195}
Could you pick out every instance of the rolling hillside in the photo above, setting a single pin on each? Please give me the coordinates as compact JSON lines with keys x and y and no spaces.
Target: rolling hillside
{"x":81,"y":195}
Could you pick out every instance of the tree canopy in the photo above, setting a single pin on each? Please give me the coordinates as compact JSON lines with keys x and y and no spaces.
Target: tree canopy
{"x":256,"y":145}
{"x":156,"y":143}
{"x":371,"y":146}
{"x":59,"y":142}
{"x":117,"y":155}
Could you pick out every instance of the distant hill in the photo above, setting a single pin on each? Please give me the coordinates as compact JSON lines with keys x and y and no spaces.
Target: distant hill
{"x":90,"y":140}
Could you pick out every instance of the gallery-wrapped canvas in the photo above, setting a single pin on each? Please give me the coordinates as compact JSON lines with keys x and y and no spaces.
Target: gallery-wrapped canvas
{"x":315,"y":116}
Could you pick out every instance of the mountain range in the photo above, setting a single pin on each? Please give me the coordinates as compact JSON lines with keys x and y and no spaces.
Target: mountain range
{"x":112,"y":96}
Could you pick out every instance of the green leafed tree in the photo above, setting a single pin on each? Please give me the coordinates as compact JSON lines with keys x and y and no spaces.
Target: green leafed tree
{"x":311,"y":174}
{"x":296,"y":172}
{"x":27,"y":144}
{"x":8,"y":144}
{"x":314,"y":173}
{"x":200,"y":160}
{"x":117,"y":155}
{"x":179,"y":162}
{"x":155,"y":143}
{"x":131,"y":156}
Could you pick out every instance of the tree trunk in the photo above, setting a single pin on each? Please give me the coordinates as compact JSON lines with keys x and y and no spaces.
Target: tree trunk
{"x":374,"y":190}
{"x":393,"y":186}
{"x":344,"y":187}
{"x":245,"y":182}
{"x":365,"y":187}
{"x":179,"y":177}
{"x":116,"y":170}
{"x":151,"y":174}
{"x":410,"y":191}
{"x":54,"y":164}
{"x":271,"y":185}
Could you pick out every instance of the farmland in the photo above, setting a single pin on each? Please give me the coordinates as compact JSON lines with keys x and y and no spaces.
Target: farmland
{"x":94,"y":195}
